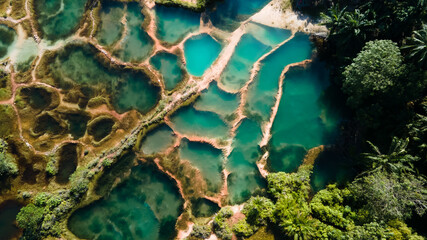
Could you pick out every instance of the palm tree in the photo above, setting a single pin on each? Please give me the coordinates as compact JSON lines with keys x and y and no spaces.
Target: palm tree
{"x":418,"y":46}
{"x":395,"y":161}
{"x":334,"y":18}
{"x":355,"y":26}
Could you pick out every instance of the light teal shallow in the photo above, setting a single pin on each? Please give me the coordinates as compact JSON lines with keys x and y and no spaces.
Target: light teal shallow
{"x":191,"y":122}
{"x":144,"y":206}
{"x":170,"y":66}
{"x":136,"y":45}
{"x":8,"y":39}
{"x":215,"y":100}
{"x":59,"y":18}
{"x":245,"y":178}
{"x":174,"y":23}
{"x":24,"y":54}
{"x":302,"y":121}
{"x":261,"y":94}
{"x":158,"y":140}
{"x":111,"y":28}
{"x":237,"y":72}
{"x":207,"y":159}
{"x":268,"y":35}
{"x":200,"y":52}
{"x":130,"y":90}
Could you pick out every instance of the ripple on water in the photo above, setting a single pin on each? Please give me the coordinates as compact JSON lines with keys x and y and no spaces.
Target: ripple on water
{"x":200,"y":52}
{"x":145,"y":206}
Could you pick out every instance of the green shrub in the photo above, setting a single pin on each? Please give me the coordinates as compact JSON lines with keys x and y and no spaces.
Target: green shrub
{"x":243,"y":229}
{"x":258,"y":211}
{"x":201,"y":231}
{"x":7,"y":162}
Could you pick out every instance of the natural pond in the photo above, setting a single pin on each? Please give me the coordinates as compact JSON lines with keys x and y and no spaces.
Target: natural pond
{"x":174,"y":105}
{"x":145,"y":205}
{"x":7,"y":38}
{"x":59,"y":18}
{"x":169,"y":65}
{"x":200,"y":52}
{"x":174,"y":23}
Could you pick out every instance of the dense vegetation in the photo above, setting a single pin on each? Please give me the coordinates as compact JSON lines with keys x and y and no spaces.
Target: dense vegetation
{"x":378,"y":53}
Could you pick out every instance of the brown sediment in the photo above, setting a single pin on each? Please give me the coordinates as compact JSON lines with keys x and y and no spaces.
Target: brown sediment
{"x":214,"y":142}
{"x":178,"y":183}
{"x":262,"y":164}
{"x":312,"y":155}
{"x":266,"y":128}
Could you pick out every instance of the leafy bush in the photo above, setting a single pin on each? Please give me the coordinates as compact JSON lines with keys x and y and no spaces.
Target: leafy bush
{"x":7,"y":164}
{"x":243,"y":229}
{"x":201,"y":231}
{"x":220,"y":225}
{"x":258,"y":211}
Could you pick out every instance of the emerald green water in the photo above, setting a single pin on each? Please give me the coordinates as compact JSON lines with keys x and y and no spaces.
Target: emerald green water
{"x":8,"y":211}
{"x":174,"y":23}
{"x":110,"y":28}
{"x":136,"y":45}
{"x":130,"y":90}
{"x":59,"y":18}
{"x":202,"y":207}
{"x":205,"y":158}
{"x":302,"y":121}
{"x":244,"y":179}
{"x":237,"y":72}
{"x":200,"y":52}
{"x":170,"y":66}
{"x":261,"y":94}
{"x":7,"y":38}
{"x":158,"y":140}
{"x":227,"y":14}
{"x":215,"y":100}
{"x":192,"y":122}
{"x":144,"y":206}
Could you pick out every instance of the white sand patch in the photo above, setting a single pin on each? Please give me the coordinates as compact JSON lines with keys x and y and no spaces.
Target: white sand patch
{"x":272,"y":15}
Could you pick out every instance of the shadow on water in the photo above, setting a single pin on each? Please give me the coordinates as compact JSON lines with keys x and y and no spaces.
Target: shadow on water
{"x":100,"y":128}
{"x":68,"y":160}
{"x":8,"y":228}
{"x":203,"y":207}
{"x":332,"y":166}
